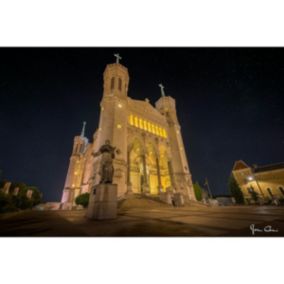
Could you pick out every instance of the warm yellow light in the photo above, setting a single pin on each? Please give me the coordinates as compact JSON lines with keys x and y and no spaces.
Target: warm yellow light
{"x":145,"y":124}
{"x":148,"y":126}
{"x":157,"y":130}
{"x":153,"y":128}
{"x":119,"y":105}
{"x":131,"y":119}
{"x":141,"y":123}
{"x":119,"y":126}
{"x":136,"y":121}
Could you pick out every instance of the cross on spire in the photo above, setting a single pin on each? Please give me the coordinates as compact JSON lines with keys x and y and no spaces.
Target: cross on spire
{"x":118,"y":57}
{"x":83,"y":129}
{"x":162,"y":90}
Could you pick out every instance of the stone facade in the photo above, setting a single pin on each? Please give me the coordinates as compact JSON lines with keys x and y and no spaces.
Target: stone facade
{"x":151,"y":157}
{"x":266,"y":181}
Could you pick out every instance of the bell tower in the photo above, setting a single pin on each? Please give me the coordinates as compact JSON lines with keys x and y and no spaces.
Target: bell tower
{"x":182,"y":181}
{"x":113,"y":116}
{"x":116,"y":79}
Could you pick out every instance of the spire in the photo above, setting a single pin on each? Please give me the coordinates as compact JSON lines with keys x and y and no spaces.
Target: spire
{"x":83,"y":129}
{"x":118,"y":57}
{"x":162,"y":90}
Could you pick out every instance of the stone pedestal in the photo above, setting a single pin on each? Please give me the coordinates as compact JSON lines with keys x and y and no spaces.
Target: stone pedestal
{"x":213,"y":202}
{"x":145,"y":189}
{"x":166,"y":197}
{"x":129,"y":189}
{"x":103,"y":203}
{"x":178,"y":199}
{"x":66,"y":206}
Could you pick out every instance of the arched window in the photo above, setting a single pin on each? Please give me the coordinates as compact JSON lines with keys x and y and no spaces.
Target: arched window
{"x":119,"y":84}
{"x":270,"y":192}
{"x":282,"y":190}
{"x":112,"y":83}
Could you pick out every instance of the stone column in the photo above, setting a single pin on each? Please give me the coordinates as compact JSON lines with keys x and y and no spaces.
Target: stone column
{"x":145,"y":186}
{"x":129,"y":185}
{"x":158,"y":175}
{"x":171,"y":174}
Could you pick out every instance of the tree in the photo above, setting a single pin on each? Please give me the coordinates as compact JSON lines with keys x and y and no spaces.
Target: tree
{"x":235,"y":190}
{"x":83,"y":199}
{"x":6,"y":203}
{"x":10,"y":202}
{"x":198,"y":191}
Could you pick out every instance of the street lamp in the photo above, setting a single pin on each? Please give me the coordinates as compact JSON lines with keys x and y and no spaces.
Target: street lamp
{"x":252,"y":178}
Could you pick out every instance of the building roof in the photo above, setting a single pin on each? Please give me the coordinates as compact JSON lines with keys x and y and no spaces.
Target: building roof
{"x":144,"y":107}
{"x":240,"y":165}
{"x":267,"y":168}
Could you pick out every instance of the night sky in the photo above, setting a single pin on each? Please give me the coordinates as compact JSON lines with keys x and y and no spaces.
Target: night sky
{"x":229,"y":102}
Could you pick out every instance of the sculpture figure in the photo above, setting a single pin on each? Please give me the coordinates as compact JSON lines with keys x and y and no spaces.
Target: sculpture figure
{"x":106,"y":165}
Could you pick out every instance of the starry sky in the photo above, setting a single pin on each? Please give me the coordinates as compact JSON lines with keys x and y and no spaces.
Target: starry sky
{"x":229,"y":101}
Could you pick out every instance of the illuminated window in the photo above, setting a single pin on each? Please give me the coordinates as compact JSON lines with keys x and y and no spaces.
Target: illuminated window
{"x":157,"y":130}
{"x":119,"y":126}
{"x":153,"y":129}
{"x":136,"y":121}
{"x":160,"y":131}
{"x":131,"y":119}
{"x":145,"y":124}
{"x":270,"y":192}
{"x":148,"y":126}
{"x":141,"y":123}
{"x":165,"y":133}
{"x":119,"y":105}
{"x":112,"y":83}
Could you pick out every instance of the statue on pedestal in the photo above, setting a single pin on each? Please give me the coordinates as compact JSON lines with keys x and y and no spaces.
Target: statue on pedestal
{"x":106,"y":166}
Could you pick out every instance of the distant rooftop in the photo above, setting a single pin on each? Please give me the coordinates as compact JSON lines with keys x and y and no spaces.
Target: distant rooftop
{"x":267,"y":168}
{"x":240,"y":165}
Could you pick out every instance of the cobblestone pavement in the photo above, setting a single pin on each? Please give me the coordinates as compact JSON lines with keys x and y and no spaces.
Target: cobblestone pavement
{"x":160,"y":221}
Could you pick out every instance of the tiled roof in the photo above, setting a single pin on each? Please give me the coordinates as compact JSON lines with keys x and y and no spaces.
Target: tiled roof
{"x":269,"y":168}
{"x":240,"y":165}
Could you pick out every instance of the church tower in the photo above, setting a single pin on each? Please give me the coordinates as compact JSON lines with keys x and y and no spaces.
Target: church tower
{"x":150,"y":158}
{"x":73,"y":182}
{"x":182,"y":181}
{"x":113,"y":118}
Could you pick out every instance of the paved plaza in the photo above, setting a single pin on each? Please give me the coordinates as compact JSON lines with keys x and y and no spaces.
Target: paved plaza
{"x":154,"y":220}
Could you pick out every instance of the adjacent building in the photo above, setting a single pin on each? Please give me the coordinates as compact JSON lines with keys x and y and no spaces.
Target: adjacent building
{"x":266,"y":181}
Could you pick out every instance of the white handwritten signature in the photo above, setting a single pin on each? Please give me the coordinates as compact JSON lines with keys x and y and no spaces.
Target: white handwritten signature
{"x":266,"y":229}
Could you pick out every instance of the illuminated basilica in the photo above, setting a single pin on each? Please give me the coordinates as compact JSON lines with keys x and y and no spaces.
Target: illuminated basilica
{"x":151,"y":157}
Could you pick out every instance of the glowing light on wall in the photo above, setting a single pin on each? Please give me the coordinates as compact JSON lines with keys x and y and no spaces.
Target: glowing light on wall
{"x":131,"y":121}
{"x":147,"y":126}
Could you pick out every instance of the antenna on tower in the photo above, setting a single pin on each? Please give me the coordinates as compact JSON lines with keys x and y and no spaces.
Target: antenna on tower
{"x":83,"y":129}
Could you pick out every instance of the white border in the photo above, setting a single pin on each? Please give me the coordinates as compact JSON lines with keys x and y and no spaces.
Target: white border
{"x":143,"y":23}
